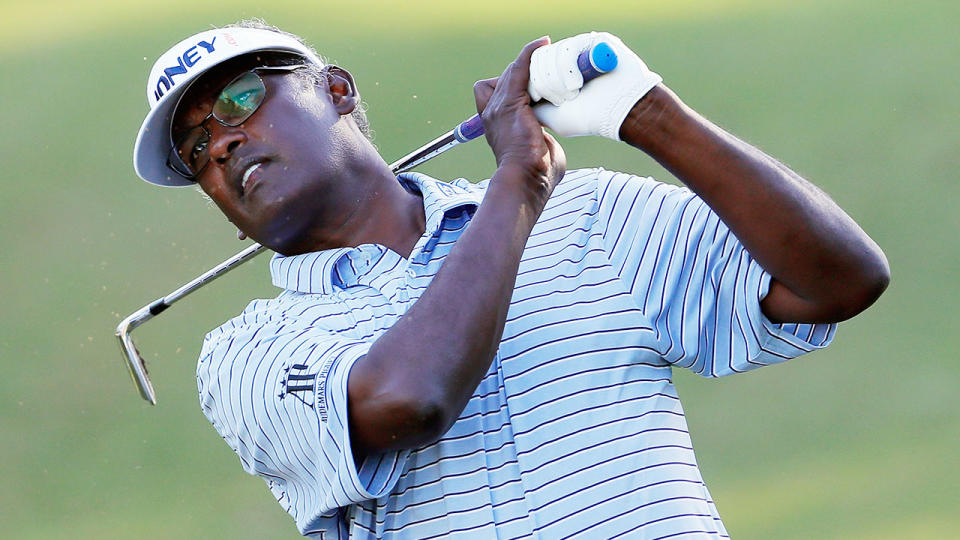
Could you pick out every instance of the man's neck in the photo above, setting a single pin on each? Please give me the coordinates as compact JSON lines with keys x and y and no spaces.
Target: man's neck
{"x":391,"y":215}
{"x":387,"y":214}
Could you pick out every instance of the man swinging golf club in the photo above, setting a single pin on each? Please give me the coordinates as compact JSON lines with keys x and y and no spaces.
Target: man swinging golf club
{"x":489,"y":360}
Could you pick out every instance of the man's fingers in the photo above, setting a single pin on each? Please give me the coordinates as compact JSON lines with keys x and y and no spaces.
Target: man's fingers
{"x":511,"y":86}
{"x":482,"y":90}
{"x":517,"y":74}
{"x":523,"y":59}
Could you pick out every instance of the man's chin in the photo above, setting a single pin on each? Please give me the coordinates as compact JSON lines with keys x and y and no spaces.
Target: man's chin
{"x":286,"y":241}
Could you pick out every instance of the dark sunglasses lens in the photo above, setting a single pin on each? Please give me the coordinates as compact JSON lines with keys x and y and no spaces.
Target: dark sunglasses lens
{"x":239,"y":99}
{"x":190,"y":154}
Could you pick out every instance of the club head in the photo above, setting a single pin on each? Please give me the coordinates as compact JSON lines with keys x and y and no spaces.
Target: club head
{"x":135,"y":363}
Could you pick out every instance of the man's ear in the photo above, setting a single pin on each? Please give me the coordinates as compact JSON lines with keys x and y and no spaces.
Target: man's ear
{"x":342,"y":89}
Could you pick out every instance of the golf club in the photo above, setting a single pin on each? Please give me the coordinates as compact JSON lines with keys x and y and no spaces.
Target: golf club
{"x":593,"y":62}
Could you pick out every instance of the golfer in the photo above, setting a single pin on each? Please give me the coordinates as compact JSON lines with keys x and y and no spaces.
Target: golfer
{"x":491,"y":360}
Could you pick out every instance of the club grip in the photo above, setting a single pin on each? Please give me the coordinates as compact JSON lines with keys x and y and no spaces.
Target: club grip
{"x":593,"y":62}
{"x":597,"y":60}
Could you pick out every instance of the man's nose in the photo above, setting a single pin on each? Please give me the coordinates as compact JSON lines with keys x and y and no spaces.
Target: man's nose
{"x":224,"y":140}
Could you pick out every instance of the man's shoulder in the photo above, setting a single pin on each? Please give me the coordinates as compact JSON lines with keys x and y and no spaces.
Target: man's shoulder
{"x":586,"y":177}
{"x":601,"y":181}
{"x":597,"y":198}
{"x":589,"y":177}
{"x":586,"y":187}
{"x":289,"y":311}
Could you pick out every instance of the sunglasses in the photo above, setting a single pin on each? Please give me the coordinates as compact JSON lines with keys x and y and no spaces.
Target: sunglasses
{"x":237,"y":102}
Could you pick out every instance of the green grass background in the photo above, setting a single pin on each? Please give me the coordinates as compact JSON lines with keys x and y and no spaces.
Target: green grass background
{"x":859,"y":441}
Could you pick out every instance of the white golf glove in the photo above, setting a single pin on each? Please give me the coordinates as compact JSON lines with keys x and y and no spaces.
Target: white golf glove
{"x":600,"y":106}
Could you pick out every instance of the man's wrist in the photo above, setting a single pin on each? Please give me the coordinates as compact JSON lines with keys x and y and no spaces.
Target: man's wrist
{"x":520,"y":184}
{"x":649,"y":117}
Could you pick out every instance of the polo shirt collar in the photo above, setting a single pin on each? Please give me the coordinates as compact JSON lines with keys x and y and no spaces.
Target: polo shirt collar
{"x":323,"y":272}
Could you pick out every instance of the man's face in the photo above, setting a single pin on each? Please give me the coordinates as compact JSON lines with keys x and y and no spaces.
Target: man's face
{"x":293,"y":151}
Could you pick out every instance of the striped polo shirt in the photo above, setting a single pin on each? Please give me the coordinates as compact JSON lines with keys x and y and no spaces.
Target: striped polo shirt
{"x":576,"y":429}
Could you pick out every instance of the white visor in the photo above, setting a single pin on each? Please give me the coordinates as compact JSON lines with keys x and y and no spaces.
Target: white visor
{"x":176,"y":70}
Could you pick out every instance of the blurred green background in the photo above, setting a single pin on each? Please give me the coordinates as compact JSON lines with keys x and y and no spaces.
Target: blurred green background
{"x":859,"y":441}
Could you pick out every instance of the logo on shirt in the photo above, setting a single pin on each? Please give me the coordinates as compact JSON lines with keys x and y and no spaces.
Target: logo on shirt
{"x":299,"y":384}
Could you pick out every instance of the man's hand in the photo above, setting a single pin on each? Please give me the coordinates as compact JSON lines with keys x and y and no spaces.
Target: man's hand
{"x":519,"y":143}
{"x":600,"y":106}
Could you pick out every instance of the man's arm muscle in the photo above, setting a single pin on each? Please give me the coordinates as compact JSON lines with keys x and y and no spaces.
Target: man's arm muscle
{"x":824,"y":266}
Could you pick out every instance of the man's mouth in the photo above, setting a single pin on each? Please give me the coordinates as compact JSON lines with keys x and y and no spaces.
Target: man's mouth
{"x":249,"y":175}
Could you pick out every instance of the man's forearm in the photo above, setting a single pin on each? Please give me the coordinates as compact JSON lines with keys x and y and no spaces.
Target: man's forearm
{"x":825,"y":267}
{"x":418,"y":376}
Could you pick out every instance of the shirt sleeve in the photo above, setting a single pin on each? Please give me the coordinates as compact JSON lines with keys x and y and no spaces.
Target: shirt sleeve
{"x":693,"y":279}
{"x":278,"y":396}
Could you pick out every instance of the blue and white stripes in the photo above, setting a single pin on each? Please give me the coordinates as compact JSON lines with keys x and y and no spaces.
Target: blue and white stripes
{"x":575,"y":431}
